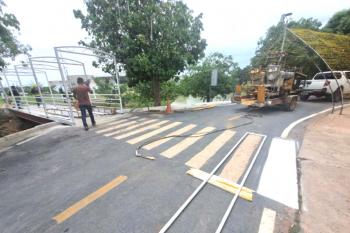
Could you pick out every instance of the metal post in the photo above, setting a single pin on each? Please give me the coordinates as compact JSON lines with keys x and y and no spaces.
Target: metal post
{"x":117,"y":78}
{"x":85,"y":75}
{"x":20,"y":83}
{"x":3,"y":90}
{"x":38,"y":86}
{"x":65,"y":87}
{"x":47,"y":80}
{"x":8,"y":85}
{"x":324,"y":61}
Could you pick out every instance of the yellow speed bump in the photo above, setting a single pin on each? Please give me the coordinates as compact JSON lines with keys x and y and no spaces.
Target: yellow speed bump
{"x":227,"y":185}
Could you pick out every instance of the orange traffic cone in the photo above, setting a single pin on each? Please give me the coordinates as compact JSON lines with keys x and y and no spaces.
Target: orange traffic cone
{"x":168,"y":106}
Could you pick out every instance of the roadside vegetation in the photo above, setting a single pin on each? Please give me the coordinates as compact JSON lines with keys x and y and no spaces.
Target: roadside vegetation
{"x":159,"y":46}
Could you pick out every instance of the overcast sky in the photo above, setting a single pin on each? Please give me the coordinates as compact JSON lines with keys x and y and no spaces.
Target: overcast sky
{"x":231,"y":27}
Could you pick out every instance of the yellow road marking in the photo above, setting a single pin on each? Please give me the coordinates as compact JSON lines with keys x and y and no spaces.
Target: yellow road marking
{"x":239,"y":161}
{"x":153,"y":133}
{"x":222,"y":183}
{"x":235,"y":117}
{"x":153,"y":126}
{"x":61,"y":217}
{"x":129,"y":128}
{"x":177,"y":132}
{"x":184,"y":144}
{"x":118,"y":126}
{"x":203,"y":156}
{"x":267,"y":222}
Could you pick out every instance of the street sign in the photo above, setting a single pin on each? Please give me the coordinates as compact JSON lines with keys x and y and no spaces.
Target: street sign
{"x":214,"y":77}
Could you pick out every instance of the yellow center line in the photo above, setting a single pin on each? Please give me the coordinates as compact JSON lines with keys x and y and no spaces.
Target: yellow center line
{"x":61,"y":217}
{"x":177,"y":132}
{"x":209,"y":151}
{"x":153,"y":133}
{"x":240,"y":159}
{"x":184,"y":144}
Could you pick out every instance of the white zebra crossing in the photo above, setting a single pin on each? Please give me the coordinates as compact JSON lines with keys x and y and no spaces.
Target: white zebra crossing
{"x":118,"y":126}
{"x":184,"y":144}
{"x":210,"y":150}
{"x":134,"y":126}
{"x":153,"y":126}
{"x":153,"y":133}
{"x":168,"y":138}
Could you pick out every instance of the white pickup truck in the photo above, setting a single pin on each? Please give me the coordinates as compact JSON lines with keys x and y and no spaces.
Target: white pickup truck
{"x":324,"y":84}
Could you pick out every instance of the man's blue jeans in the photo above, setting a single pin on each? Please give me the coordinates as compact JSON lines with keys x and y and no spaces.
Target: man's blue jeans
{"x":83,"y":109}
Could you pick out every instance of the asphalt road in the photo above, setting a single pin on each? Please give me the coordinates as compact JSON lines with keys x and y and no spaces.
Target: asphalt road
{"x":43,"y":177}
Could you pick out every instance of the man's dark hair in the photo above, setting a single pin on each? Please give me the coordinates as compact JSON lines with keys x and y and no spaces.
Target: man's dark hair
{"x":80,"y":80}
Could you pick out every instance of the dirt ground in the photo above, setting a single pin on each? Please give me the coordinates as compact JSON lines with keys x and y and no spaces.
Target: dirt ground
{"x":325,"y":174}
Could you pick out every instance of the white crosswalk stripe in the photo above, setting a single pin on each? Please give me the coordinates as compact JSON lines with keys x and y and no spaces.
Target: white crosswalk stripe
{"x":134,"y":126}
{"x":153,"y":126}
{"x":168,"y":138}
{"x":153,"y":133}
{"x":210,"y":150}
{"x":118,"y":121}
{"x":184,"y":144}
{"x":118,"y":126}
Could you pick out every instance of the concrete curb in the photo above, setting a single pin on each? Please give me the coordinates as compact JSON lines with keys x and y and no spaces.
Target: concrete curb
{"x":14,"y":138}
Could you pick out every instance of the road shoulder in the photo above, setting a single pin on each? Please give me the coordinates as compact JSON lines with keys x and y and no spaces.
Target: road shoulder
{"x":324,"y":168}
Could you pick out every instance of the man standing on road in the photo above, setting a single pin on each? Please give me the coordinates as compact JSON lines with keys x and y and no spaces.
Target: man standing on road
{"x":81,"y":93}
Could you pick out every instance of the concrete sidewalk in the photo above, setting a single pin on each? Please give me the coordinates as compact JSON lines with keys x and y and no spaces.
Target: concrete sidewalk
{"x":324,"y":163}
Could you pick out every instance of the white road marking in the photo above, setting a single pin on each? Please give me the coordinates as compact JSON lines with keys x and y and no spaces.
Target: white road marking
{"x":153,"y":126}
{"x":278,"y":180}
{"x":133,"y":126}
{"x":153,"y":133}
{"x":267,"y":222}
{"x":287,"y":130}
{"x":177,"y":132}
{"x":184,"y":144}
{"x":117,"y":126}
{"x":209,"y":151}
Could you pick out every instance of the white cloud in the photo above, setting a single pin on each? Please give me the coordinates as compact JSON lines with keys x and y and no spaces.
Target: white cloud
{"x":231,"y":27}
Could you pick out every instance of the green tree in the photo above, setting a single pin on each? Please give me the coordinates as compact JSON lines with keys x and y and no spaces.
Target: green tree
{"x":197,"y":81}
{"x":9,"y":45}
{"x":298,"y":56}
{"x":339,"y":23}
{"x":155,"y":40}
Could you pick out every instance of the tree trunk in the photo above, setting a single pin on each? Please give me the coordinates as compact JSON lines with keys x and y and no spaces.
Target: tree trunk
{"x":156,"y":91}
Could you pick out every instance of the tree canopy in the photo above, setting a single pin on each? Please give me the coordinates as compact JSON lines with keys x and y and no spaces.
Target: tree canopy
{"x":334,"y":48}
{"x":339,"y":23}
{"x":197,"y":81}
{"x":9,"y":45}
{"x":298,"y":57}
{"x":155,"y":40}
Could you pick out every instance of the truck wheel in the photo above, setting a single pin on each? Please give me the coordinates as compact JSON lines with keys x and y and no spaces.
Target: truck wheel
{"x":292,"y":105}
{"x":304,"y":97}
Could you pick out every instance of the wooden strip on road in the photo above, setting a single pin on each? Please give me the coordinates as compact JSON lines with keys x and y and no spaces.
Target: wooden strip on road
{"x":161,"y":141}
{"x":184,"y":144}
{"x":124,"y":124}
{"x":267,"y":222}
{"x":61,"y":217}
{"x":153,"y":133}
{"x":209,"y":151}
{"x":235,"y":168}
{"x":129,"y":128}
{"x":153,"y":126}
{"x":222,"y":183}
